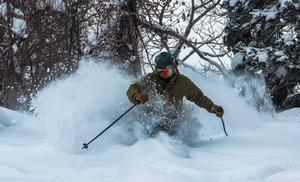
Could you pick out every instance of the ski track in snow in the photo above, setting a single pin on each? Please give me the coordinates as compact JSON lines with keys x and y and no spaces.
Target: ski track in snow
{"x":47,"y":147}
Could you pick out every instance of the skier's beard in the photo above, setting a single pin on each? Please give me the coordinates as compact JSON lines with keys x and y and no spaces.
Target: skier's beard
{"x":165,"y":81}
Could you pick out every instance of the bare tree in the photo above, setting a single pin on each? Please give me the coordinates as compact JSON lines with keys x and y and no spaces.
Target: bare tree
{"x":40,"y":44}
{"x":142,"y":28}
{"x":174,"y":25}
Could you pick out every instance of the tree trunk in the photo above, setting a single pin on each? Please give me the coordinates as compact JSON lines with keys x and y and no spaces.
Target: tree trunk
{"x":133,"y":39}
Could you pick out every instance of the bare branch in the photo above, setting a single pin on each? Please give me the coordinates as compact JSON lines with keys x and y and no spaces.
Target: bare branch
{"x":165,"y":30}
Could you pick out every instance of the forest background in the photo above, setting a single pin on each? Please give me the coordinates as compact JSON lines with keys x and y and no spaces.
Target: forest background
{"x":247,"y":42}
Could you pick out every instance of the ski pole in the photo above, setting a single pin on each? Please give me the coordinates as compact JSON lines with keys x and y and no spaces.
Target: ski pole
{"x":224,"y":126}
{"x":85,"y":145}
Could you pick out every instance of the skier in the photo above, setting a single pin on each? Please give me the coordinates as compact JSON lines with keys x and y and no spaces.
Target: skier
{"x":168,"y":83}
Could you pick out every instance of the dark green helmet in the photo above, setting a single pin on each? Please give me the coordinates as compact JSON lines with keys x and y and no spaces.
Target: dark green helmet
{"x":163,"y":60}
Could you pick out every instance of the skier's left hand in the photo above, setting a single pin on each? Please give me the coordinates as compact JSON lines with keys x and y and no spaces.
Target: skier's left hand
{"x":218,"y":110}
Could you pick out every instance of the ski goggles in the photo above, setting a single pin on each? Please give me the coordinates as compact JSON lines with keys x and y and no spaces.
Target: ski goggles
{"x":165,"y":72}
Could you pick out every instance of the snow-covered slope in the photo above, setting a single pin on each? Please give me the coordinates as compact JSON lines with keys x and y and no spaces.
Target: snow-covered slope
{"x":47,"y":146}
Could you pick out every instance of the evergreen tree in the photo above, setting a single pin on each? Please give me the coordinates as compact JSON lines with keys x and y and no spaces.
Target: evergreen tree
{"x":264,"y":37}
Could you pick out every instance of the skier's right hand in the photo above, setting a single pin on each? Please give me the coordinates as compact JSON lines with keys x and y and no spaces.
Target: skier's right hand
{"x":140,"y":98}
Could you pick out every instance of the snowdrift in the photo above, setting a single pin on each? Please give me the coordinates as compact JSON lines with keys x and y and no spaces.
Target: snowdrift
{"x":46,"y":146}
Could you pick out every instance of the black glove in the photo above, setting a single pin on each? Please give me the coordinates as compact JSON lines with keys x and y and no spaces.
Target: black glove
{"x":218,"y":110}
{"x":140,"y":98}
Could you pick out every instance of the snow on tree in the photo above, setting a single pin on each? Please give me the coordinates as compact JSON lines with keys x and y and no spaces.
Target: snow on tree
{"x":264,"y":37}
{"x":39,"y":42}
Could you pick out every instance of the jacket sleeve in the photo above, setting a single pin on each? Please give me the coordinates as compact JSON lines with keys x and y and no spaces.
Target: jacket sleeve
{"x":138,"y":87}
{"x":195,"y":95}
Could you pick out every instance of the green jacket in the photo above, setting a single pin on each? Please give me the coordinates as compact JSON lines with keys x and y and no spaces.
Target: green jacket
{"x":180,"y":86}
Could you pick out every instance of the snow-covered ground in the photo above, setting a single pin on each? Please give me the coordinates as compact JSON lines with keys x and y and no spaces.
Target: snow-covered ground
{"x":46,"y":146}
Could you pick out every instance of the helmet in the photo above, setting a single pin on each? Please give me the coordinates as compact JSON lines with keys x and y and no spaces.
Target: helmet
{"x":163,"y":60}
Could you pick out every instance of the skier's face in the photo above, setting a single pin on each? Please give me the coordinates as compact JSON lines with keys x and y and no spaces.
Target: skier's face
{"x":165,"y":73}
